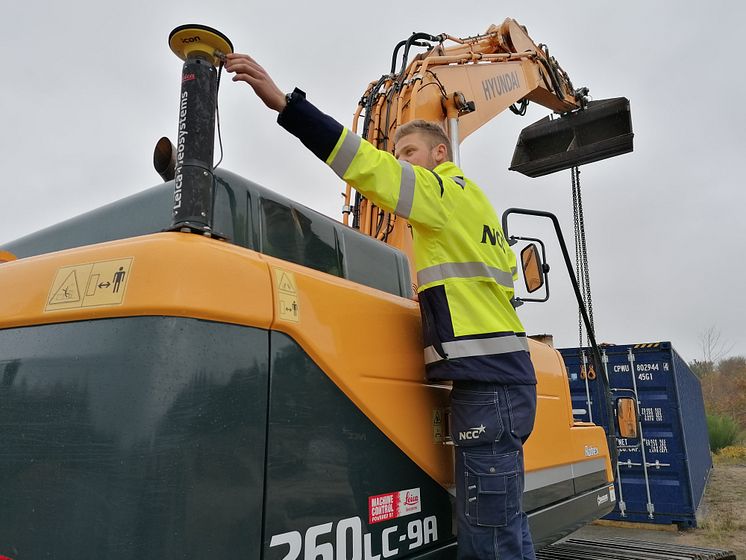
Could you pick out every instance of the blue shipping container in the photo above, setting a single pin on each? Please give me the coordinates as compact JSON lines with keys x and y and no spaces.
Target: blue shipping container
{"x":662,"y":480}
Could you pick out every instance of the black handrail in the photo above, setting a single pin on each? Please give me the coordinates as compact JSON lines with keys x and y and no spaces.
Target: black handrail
{"x":595,"y":353}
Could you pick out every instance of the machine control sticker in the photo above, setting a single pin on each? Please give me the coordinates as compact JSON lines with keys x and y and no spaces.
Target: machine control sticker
{"x":89,"y":285}
{"x":393,"y":505}
{"x":286,"y":290}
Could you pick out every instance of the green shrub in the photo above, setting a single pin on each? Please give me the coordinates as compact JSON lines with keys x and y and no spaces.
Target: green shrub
{"x":723,"y":431}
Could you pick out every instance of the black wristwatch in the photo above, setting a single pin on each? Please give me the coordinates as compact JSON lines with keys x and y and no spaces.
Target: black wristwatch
{"x":293,"y":96}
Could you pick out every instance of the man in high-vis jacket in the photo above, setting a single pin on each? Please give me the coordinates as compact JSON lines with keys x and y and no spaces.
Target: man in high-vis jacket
{"x":465,"y":273}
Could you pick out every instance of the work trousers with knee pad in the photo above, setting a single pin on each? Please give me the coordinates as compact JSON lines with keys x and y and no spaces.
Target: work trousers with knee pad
{"x":489,"y":424}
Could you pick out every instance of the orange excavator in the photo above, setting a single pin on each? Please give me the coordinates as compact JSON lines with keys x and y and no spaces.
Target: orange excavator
{"x":186,"y":373}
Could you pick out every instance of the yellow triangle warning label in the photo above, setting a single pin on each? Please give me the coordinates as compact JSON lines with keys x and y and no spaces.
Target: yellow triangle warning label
{"x":286,"y":283}
{"x":68,"y":291}
{"x":286,"y":296}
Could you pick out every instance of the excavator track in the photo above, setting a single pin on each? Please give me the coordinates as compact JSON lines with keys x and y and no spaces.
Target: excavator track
{"x":626,"y":549}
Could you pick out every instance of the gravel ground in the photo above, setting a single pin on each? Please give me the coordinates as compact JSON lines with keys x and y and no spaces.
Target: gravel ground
{"x":721,"y":518}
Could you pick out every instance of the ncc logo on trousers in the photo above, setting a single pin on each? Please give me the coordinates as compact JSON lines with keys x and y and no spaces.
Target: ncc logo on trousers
{"x":472,"y":433}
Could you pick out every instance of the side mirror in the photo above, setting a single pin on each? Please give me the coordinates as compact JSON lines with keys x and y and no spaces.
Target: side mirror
{"x":533,"y":268}
{"x":626,"y":414}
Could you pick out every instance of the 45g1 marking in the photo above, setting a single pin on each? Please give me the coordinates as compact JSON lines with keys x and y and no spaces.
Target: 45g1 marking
{"x":348,"y":542}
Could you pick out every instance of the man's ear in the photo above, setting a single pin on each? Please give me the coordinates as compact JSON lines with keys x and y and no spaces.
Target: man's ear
{"x":440,"y":153}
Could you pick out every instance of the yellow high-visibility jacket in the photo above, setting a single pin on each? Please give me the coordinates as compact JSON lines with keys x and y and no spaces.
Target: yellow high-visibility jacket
{"x":465,"y":267}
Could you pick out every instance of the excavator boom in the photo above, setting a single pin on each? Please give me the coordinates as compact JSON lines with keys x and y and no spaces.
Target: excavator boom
{"x":468,"y":83}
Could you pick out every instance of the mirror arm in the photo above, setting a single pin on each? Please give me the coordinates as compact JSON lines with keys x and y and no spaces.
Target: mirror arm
{"x":595,"y":353}
{"x":568,"y":264}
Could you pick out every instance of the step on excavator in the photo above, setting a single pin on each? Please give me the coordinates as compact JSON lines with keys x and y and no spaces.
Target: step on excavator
{"x":207,"y":369}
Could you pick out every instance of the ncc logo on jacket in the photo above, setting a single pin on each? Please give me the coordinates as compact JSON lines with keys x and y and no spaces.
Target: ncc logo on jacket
{"x":494,"y":236}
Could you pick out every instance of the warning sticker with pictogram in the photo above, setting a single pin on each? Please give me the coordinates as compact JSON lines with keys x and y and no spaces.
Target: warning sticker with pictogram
{"x":89,"y":285}
{"x":438,"y":434}
{"x":288,"y":308}
{"x":68,"y":291}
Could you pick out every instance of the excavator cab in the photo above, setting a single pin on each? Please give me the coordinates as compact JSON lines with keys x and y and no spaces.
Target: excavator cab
{"x":600,"y":130}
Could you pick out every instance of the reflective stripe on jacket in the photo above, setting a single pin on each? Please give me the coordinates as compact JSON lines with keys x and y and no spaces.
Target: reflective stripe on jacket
{"x":465,"y":268}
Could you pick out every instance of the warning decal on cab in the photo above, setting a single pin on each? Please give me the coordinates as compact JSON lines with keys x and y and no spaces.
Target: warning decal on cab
{"x":393,"y":505}
{"x":89,"y":285}
{"x":438,"y":428}
{"x":288,"y":308}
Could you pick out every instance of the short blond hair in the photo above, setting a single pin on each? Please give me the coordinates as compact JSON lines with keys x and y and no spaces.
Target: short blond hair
{"x":432,"y":131}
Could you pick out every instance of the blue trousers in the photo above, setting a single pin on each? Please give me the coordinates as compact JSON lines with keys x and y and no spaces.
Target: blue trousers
{"x":489,"y":424}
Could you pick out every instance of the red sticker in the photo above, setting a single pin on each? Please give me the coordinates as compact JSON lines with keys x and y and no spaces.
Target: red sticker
{"x":393,"y":505}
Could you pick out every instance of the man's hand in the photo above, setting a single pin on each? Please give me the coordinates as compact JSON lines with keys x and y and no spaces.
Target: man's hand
{"x":247,"y":70}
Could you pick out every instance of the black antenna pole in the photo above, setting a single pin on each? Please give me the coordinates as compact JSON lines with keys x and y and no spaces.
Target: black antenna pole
{"x":202,"y":50}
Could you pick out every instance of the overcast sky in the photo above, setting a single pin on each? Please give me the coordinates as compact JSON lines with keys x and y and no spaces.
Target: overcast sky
{"x":88,"y":87}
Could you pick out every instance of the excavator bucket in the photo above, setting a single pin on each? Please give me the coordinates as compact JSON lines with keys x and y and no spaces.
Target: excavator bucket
{"x":601,"y":130}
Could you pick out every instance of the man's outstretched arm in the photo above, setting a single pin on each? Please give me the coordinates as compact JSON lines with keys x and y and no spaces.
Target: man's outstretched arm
{"x":316,"y":130}
{"x":410,"y":191}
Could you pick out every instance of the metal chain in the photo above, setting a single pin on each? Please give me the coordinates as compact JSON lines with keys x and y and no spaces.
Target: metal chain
{"x":584,"y":252}
{"x":581,"y":254}
{"x":576,"y":229}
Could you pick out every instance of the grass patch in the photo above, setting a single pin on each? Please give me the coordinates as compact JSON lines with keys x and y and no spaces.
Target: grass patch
{"x":723,"y":524}
{"x":731,"y":455}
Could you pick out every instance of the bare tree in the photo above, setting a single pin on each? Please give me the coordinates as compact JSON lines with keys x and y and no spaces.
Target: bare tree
{"x":714,"y":348}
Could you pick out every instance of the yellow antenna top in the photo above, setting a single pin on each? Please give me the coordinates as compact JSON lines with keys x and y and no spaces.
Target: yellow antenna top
{"x":195,"y":38}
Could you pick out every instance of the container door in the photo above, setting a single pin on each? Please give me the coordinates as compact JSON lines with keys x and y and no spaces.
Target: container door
{"x":653,"y":479}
